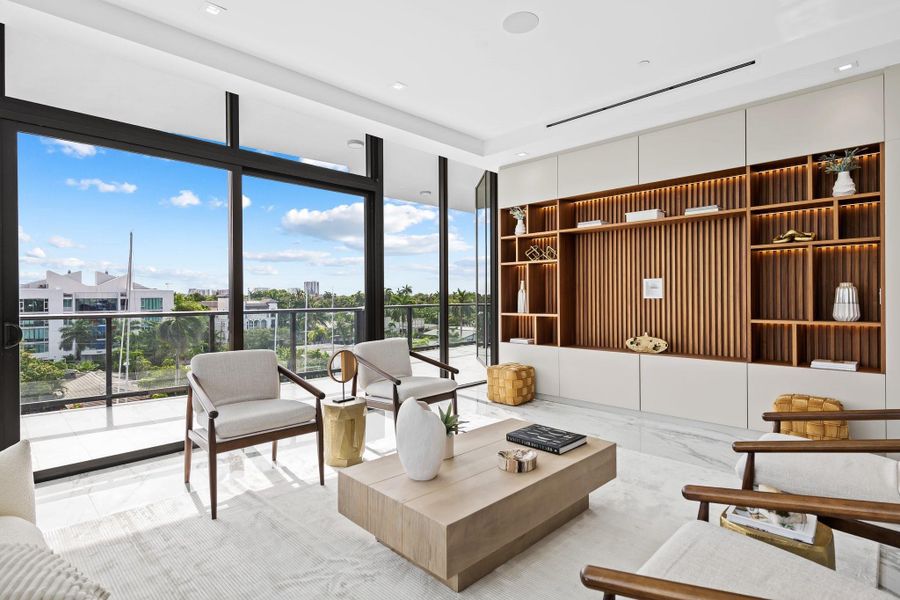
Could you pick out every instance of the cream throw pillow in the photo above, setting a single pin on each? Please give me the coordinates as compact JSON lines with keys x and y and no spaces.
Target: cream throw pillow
{"x":17,"y":490}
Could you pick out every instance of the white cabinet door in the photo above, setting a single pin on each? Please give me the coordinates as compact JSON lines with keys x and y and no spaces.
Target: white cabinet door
{"x":704,"y":390}
{"x":847,"y":115}
{"x":854,"y":390}
{"x":608,"y":378}
{"x":528,"y":182}
{"x":599,"y":168}
{"x":892,"y":273}
{"x":544,"y":359}
{"x":712,"y":144}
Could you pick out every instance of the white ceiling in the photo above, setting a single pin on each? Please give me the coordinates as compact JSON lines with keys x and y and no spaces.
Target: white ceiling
{"x":480,"y":95}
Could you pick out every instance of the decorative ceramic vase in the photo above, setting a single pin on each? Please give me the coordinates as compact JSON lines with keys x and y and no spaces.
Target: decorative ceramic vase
{"x":844,"y":186}
{"x":448,"y":446}
{"x":846,"y":302}
{"x":520,"y":227}
{"x":522,"y":303}
{"x":421,"y":440}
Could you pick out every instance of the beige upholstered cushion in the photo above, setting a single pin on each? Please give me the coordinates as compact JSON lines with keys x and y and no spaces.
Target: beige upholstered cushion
{"x":17,"y":482}
{"x":704,"y":554}
{"x":15,"y":530}
{"x":860,"y":476}
{"x":33,"y":573}
{"x":421,"y":388}
{"x":254,"y":416}
{"x":229,"y":377}
{"x":391,"y":356}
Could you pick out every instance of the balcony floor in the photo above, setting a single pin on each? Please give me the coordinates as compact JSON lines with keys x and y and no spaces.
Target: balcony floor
{"x":77,"y":435}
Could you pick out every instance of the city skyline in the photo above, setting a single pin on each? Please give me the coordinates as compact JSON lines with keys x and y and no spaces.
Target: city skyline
{"x":178,"y":213}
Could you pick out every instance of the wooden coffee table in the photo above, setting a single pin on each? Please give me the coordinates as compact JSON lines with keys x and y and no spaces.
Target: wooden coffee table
{"x":472,"y":517}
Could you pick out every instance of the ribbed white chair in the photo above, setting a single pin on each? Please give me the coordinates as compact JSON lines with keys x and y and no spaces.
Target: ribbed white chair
{"x":238,"y":396}
{"x":385,"y":376}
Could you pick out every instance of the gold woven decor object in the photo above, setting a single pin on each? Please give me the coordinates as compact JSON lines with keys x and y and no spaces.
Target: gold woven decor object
{"x":814,"y":430}
{"x":510,"y":383}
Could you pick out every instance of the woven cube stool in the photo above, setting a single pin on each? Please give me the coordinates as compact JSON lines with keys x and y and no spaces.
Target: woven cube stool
{"x":814,"y":430}
{"x":510,"y":383}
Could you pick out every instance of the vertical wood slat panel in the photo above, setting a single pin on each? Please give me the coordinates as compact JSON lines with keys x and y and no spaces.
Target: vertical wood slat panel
{"x":858,"y":264}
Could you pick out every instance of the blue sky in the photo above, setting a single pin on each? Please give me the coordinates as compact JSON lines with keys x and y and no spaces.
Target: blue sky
{"x":78,"y":202}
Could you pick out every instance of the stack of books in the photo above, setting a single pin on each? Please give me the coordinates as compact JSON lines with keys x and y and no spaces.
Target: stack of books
{"x":794,"y":526}
{"x":644,"y":215}
{"x":518,"y":340}
{"x":593,"y":223}
{"x":835,"y":365}
{"x":547,"y":439}
{"x":700,"y":210}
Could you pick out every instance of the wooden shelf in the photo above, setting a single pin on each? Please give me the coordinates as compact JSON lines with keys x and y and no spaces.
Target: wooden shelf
{"x":518,"y":314}
{"x":787,"y":246}
{"x":536,"y":234}
{"x":722,"y":214}
{"x":527,"y":262}
{"x":815,"y":323}
{"x":815,"y":203}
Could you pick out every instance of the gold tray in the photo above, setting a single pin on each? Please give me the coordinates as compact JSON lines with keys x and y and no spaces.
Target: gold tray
{"x":517,"y":460}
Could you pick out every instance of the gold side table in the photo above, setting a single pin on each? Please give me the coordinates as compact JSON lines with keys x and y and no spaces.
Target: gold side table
{"x":345,"y":431}
{"x":820,"y":551}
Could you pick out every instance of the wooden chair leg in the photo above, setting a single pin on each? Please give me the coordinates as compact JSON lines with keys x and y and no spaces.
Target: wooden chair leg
{"x":275,"y":451}
{"x":453,"y":402}
{"x":320,"y":450}
{"x":188,"y":452}
{"x":213,"y":482}
{"x":188,"y":445}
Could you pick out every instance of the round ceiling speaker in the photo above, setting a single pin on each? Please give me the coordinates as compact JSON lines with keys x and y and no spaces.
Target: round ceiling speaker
{"x":521,"y":22}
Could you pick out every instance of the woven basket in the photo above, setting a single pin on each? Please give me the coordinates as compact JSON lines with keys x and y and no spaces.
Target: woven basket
{"x":814,"y":430}
{"x":510,"y":383}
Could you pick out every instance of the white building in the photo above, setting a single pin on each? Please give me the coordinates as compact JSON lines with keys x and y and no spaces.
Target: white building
{"x":251,"y":320}
{"x":61,"y":293}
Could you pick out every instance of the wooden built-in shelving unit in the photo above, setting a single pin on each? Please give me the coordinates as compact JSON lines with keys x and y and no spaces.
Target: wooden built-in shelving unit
{"x":730,"y":293}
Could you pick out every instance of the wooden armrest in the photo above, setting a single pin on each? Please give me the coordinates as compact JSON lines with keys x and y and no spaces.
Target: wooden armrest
{"x":434,"y":362}
{"x":201,"y":397}
{"x":642,"y":587}
{"x":384,"y":374}
{"x":302,"y":382}
{"x":881,"y":414}
{"x":876,"y":446}
{"x":860,"y":510}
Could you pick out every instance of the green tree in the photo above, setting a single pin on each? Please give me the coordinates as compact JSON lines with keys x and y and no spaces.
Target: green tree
{"x":188,"y":302}
{"x":76,"y":336}
{"x":180,"y":334}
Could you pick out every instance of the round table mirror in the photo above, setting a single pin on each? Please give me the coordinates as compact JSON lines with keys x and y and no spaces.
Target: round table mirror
{"x":342,"y":366}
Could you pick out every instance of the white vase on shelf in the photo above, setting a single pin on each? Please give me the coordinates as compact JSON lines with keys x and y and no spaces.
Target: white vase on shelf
{"x":844,"y":185}
{"x":846,"y":302}
{"x":522,"y":304}
{"x":520,"y":227}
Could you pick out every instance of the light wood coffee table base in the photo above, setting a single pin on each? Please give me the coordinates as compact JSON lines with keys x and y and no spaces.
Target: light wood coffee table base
{"x":472,"y":517}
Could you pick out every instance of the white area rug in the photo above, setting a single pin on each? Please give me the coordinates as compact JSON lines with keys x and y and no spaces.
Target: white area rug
{"x":288,"y":541}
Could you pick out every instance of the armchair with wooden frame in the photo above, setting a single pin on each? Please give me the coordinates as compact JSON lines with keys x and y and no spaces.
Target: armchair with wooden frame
{"x":385,"y":375}
{"x":849,"y":471}
{"x":703,"y":561}
{"x":237,"y":395}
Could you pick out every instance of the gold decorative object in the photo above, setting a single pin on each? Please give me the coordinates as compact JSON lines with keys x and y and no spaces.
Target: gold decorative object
{"x":792,"y":235}
{"x":517,"y":460}
{"x":645,"y":344}
{"x":510,"y":383}
{"x":813,"y":430}
{"x":820,"y":551}
{"x":342,"y":368}
{"x":550,"y":253}
{"x":344,"y":424}
{"x":534,"y":253}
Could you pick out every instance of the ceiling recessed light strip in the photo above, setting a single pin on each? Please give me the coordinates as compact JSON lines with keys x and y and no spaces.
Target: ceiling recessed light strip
{"x":214,"y":9}
{"x":398,"y":85}
{"x":846,"y":67}
{"x":749,"y":63}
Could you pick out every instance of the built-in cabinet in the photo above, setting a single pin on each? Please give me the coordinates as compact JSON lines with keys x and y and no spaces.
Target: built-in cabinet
{"x":606,"y":378}
{"x":544,"y":359}
{"x":528,"y":182}
{"x":601,"y":167}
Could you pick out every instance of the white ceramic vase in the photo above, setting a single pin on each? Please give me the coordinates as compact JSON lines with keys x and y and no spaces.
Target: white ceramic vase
{"x":449,"y":446}
{"x":522,"y":299}
{"x":844,"y":186}
{"x":520,"y":227}
{"x":846,"y":302}
{"x":421,"y":440}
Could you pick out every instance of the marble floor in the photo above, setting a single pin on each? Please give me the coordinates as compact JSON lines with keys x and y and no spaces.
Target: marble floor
{"x":75,"y":435}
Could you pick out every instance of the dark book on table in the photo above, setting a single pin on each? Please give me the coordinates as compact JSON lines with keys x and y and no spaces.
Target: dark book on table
{"x":548,"y":439}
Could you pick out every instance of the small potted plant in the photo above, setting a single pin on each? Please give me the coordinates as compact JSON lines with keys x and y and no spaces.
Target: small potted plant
{"x":842,"y":165}
{"x":518,"y":213}
{"x":451,"y":424}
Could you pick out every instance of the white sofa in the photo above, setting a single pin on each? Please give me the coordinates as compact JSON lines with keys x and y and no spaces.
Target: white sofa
{"x":17,"y":513}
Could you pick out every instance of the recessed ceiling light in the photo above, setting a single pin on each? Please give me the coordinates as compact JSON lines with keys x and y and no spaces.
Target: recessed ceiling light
{"x":214,"y":9}
{"x":425,"y":193}
{"x":356,"y":144}
{"x":521,"y":154}
{"x":521,"y":22}
{"x":846,"y":67}
{"x":644,"y":62}
{"x":398,"y":85}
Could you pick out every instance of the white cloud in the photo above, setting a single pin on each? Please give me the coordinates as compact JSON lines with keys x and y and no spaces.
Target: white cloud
{"x":59,"y":241}
{"x":313,"y":257}
{"x":102,"y":186}
{"x":261,"y":269}
{"x":246,"y":201}
{"x":23,"y":237}
{"x":36,"y":252}
{"x":54,"y":263}
{"x":269,"y":208}
{"x":216,"y":203}
{"x":184,"y":199}
{"x":75,"y":149}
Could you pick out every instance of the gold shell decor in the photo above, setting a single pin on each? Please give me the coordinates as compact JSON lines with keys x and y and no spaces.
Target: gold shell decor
{"x":645,"y":344}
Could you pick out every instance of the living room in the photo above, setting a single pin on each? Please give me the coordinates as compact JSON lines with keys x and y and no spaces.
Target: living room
{"x":309,"y":301}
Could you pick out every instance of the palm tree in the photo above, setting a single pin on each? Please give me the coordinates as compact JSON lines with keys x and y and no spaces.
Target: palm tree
{"x":179,"y":333}
{"x":77,"y":335}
